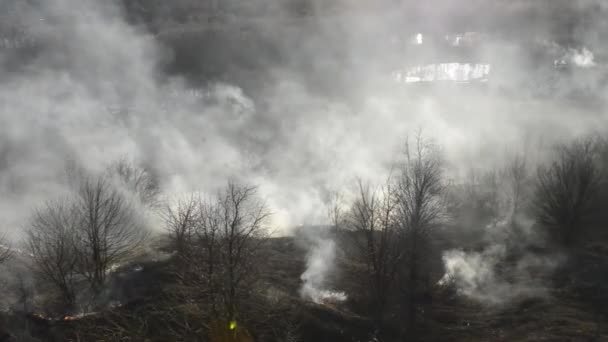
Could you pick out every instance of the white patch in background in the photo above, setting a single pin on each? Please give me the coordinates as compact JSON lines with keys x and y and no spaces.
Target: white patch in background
{"x":454,"y":39}
{"x":465,"y":39}
{"x":583,"y":58}
{"x":454,"y":72}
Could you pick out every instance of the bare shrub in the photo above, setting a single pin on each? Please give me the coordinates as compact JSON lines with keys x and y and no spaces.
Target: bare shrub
{"x":566,"y":190}
{"x":108,"y":231}
{"x":140,"y":181}
{"x":83,"y":237}
{"x":181,"y":223}
{"x":50,"y":242}
{"x":221,"y":242}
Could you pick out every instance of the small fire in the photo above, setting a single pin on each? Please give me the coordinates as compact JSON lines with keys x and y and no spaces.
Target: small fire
{"x":65,"y":318}
{"x":79,"y":316}
{"x":331,"y":298}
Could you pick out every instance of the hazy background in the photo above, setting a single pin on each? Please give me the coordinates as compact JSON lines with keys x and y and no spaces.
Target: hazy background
{"x":297,"y":97}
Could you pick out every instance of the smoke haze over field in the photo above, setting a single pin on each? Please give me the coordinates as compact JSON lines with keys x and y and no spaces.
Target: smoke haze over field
{"x":328,"y":112}
{"x":485,"y":276}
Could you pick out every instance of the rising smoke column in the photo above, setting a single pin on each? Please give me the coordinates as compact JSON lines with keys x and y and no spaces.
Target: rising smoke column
{"x":320,"y":265}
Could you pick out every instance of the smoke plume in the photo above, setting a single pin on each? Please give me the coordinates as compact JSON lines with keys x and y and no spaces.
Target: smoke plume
{"x":329,"y":110}
{"x":320,"y":265}
{"x":505,"y":269}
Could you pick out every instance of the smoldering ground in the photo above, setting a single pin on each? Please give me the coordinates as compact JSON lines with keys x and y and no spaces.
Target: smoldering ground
{"x":327,"y":112}
{"x":321,"y":269}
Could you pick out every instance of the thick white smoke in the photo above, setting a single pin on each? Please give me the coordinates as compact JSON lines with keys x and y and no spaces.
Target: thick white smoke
{"x":94,"y":93}
{"x":320,"y":265}
{"x":584,"y":58}
{"x":492,"y":277}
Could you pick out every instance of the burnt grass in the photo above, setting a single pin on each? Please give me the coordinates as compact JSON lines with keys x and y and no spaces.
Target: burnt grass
{"x":573,"y":309}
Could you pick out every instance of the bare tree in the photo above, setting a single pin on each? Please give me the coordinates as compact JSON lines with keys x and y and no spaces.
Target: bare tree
{"x":566,"y":190}
{"x":335,"y":210}
{"x":50,"y":242}
{"x":481,"y":202}
{"x":516,"y":179}
{"x":6,"y":252}
{"x":181,"y":223}
{"x":194,"y":227}
{"x":242,"y":230}
{"x":490,"y":184}
{"x":108,"y":229}
{"x":223,"y":239}
{"x":83,"y":237}
{"x":420,"y":209}
{"x":372,"y":217}
{"x":140,"y":181}
{"x":208,"y":236}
